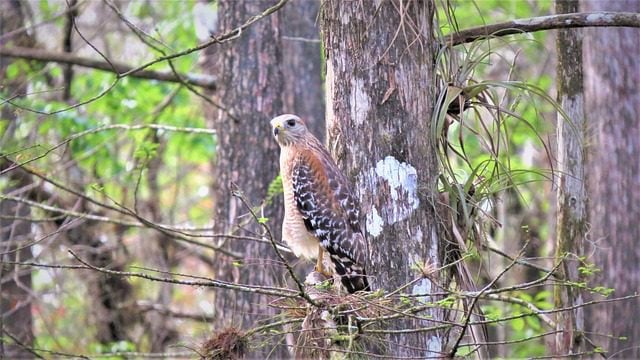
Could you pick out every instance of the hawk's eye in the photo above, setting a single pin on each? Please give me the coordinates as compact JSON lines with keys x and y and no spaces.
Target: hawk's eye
{"x":291,"y":123}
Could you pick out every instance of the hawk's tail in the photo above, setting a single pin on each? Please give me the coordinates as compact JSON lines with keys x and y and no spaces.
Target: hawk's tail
{"x":353,"y":276}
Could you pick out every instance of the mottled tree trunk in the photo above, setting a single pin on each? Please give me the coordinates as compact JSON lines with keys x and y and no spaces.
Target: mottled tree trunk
{"x":251,"y":88}
{"x":572,"y":197}
{"x":16,"y":320}
{"x":612,"y":107}
{"x":380,"y":94}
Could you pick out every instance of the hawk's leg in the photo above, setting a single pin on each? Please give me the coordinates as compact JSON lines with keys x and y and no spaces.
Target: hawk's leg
{"x":319,"y":265}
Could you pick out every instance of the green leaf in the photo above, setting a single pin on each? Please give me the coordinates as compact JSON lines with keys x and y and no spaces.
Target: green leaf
{"x":517,"y":324}
{"x":97,"y":187}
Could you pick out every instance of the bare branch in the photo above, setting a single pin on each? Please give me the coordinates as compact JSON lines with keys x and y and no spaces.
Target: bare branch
{"x":550,"y":22}
{"x":208,"y":283}
{"x":145,"y":306}
{"x":205,"y":81}
{"x":514,"y":300}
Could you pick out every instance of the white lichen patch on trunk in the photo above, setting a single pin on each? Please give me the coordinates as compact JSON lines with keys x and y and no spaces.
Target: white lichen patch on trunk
{"x":399,"y":183}
{"x":360,"y":103}
{"x":374,"y":222}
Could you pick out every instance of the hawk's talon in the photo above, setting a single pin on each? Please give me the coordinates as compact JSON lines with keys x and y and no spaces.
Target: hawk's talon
{"x":319,"y":268}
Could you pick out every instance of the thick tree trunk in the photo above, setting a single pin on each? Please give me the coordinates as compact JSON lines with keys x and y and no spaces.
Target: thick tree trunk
{"x":16,"y":321}
{"x":612,"y":105}
{"x":572,"y":197}
{"x":251,"y":89}
{"x":380,"y":94}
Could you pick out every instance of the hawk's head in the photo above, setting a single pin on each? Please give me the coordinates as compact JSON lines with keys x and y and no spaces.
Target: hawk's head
{"x":288,"y":129}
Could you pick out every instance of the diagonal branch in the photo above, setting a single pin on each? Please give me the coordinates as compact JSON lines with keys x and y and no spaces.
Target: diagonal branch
{"x":550,"y":22}
{"x":205,"y":81}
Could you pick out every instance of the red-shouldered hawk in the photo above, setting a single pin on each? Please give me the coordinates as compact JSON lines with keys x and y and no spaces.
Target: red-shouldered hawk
{"x":321,"y":212}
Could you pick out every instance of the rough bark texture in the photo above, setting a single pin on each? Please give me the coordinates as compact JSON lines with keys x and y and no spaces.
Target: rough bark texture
{"x":612,"y":105}
{"x":380,"y":86}
{"x":572,"y":197}
{"x":16,"y":320}
{"x":251,"y":88}
{"x":302,"y":64}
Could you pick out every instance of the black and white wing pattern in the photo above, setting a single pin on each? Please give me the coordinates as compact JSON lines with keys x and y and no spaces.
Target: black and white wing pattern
{"x":331,"y":213}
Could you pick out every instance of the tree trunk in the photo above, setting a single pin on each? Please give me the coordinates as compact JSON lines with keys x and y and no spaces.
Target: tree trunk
{"x":251,"y":89}
{"x":380,"y":94}
{"x":302,"y":64}
{"x":16,"y":321}
{"x":612,"y":100}
{"x":572,"y":197}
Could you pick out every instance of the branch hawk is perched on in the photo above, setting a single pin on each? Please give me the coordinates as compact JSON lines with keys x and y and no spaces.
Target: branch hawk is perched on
{"x":320,"y":210}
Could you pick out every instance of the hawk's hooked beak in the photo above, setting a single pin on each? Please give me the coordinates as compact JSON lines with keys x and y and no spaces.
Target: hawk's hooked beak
{"x":276,"y":130}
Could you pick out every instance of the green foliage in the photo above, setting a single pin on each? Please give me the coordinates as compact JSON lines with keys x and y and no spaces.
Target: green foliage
{"x":604,"y":291}
{"x":105,"y":165}
{"x":447,"y":302}
{"x":588,"y":269}
{"x":274,"y":189}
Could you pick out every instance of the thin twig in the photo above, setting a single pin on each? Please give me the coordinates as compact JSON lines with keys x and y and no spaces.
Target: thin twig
{"x":266,"y":228}
{"x":514,"y":300}
{"x":521,"y":262}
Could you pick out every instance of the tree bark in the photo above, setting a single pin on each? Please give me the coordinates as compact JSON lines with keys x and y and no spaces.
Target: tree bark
{"x":380,"y":94}
{"x":571,"y":196}
{"x":251,"y":89}
{"x":612,"y":105}
{"x":16,"y":320}
{"x":302,"y":64}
